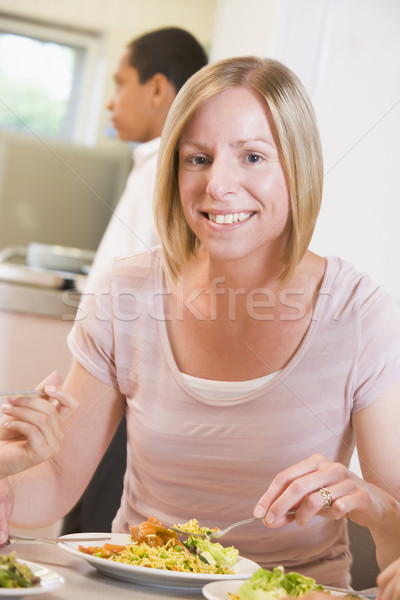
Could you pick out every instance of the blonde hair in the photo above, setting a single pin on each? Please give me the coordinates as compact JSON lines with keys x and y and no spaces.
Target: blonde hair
{"x":296,"y":135}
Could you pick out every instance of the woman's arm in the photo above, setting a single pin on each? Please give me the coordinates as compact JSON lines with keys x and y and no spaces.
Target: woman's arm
{"x":372,"y":502}
{"x":377,"y":431}
{"x":48,"y":491}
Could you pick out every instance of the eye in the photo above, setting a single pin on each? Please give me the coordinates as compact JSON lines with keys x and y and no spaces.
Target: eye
{"x":195,"y":160}
{"x":253,"y":158}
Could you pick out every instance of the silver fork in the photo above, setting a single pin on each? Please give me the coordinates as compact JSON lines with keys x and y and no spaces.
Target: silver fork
{"x":214,"y":535}
{"x":13,"y":538}
{"x":369,"y":593}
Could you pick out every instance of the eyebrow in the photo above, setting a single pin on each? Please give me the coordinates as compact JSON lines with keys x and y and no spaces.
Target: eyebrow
{"x":236,"y":144}
{"x":261,"y":140}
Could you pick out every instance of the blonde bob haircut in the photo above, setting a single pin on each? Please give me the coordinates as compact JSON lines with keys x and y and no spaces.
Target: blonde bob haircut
{"x":296,"y":136}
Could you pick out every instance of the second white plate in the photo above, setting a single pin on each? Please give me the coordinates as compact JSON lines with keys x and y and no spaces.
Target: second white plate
{"x":219,"y":590}
{"x":49,"y":581}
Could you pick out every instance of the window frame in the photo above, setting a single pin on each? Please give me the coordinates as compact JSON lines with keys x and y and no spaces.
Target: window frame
{"x":88,"y":86}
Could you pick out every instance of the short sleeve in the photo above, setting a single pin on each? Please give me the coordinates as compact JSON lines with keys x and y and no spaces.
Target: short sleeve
{"x":378,"y":362}
{"x":91,"y":339}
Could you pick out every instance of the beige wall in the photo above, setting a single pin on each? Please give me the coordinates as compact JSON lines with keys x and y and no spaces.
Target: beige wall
{"x":239,"y":31}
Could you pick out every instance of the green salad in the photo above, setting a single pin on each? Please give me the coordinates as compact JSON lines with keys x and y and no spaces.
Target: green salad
{"x":14,"y":574}
{"x":273,"y":585}
{"x":209,"y":552}
{"x":212,"y":552}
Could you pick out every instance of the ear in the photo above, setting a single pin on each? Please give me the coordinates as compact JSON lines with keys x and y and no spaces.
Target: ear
{"x":162,"y":90}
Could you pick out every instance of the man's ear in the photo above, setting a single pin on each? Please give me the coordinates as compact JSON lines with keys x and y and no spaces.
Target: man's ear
{"x":162,"y":90}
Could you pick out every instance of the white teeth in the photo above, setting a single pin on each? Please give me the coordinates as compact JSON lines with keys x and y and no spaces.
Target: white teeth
{"x":231,"y":218}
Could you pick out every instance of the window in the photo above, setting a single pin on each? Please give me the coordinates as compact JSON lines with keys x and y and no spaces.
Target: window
{"x":48,"y":81}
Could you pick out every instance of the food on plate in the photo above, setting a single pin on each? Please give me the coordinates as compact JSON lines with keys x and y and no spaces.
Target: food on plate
{"x":14,"y":574}
{"x":275,"y":584}
{"x":155,"y":546}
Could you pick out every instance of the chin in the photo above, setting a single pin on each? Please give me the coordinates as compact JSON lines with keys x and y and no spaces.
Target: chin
{"x":122,"y":136}
{"x":226,"y":254}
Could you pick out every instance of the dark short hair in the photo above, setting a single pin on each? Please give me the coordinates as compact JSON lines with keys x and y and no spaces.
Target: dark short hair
{"x":171,"y":51}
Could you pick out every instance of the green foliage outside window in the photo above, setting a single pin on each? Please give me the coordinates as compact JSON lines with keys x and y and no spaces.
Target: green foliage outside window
{"x":36,"y":84}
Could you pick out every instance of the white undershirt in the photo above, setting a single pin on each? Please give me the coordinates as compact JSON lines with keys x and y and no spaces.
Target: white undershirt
{"x":226,"y":389}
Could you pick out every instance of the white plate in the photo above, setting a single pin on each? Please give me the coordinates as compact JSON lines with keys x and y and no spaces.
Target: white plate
{"x":219,"y":590}
{"x":58,"y":258}
{"x":49,"y":581}
{"x":243,"y":569}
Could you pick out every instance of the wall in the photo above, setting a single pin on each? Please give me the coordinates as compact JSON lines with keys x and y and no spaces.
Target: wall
{"x":118,"y":21}
{"x":239,"y":31}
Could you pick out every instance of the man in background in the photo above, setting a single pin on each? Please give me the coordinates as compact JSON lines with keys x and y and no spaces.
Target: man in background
{"x":150,"y":73}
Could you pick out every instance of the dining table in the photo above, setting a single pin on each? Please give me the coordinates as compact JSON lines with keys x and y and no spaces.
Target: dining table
{"x":83,"y":581}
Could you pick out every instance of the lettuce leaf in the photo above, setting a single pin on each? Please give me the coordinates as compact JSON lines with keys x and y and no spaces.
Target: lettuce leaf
{"x":221,"y":556}
{"x":273,"y":585}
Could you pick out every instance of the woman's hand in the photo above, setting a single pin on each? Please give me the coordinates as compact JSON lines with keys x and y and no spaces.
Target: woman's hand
{"x":31,"y":428}
{"x":389,"y":582}
{"x":318,"y":486}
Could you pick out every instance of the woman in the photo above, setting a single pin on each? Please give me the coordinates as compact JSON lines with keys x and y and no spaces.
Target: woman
{"x":246,"y":364}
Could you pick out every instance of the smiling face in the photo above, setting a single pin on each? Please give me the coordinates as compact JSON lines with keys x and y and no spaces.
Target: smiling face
{"x":231,"y":182}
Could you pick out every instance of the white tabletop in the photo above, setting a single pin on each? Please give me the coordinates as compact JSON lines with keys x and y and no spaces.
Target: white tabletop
{"x":83,"y":582}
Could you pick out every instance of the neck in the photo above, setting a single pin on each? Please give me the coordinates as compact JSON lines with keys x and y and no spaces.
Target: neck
{"x":217,"y":286}
{"x":251,"y":272}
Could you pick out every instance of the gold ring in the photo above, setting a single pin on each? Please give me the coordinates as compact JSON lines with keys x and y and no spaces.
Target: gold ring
{"x":327,"y":496}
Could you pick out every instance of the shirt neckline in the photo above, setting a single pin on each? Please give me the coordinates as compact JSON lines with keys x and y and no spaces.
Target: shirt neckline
{"x":160,"y":285}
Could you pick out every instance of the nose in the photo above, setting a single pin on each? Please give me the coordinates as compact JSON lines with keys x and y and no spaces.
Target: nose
{"x":110,"y":103}
{"x":222,"y":179}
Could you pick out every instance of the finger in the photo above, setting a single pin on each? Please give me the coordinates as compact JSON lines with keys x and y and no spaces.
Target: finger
{"x":38,"y":445}
{"x":46,"y":420}
{"x":53,"y":379}
{"x":315,"y":503}
{"x":298,"y":492}
{"x":62,"y":400}
{"x":283,"y":479}
{"x":5,"y":433}
{"x":57,"y":400}
{"x":30,"y":409}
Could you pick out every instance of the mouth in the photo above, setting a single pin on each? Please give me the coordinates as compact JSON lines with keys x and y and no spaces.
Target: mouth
{"x":227,"y":219}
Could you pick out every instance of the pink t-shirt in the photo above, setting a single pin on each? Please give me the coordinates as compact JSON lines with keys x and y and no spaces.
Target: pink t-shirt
{"x":193,"y":456}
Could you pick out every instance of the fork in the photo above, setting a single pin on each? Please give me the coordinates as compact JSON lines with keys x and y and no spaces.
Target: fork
{"x":47,"y":540}
{"x":214,"y":535}
{"x":368,"y":593}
